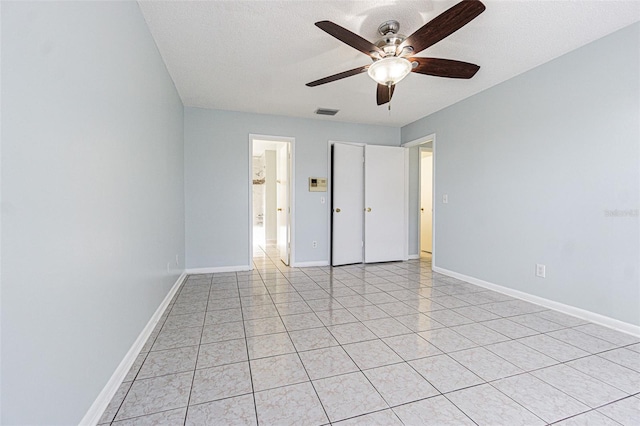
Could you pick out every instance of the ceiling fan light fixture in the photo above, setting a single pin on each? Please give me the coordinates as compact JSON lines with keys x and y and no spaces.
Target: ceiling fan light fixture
{"x":389,"y":70}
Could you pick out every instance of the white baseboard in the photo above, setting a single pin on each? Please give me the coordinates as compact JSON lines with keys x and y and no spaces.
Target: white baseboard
{"x":309,"y":264}
{"x":102,"y":401}
{"x":215,"y":269}
{"x":414,"y":256}
{"x":603,"y":320}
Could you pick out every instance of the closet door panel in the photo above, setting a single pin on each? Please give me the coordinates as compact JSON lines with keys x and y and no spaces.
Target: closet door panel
{"x":347,"y":204}
{"x":384,"y":204}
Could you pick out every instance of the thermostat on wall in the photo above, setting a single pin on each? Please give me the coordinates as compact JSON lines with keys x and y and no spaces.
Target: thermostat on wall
{"x":317,"y":184}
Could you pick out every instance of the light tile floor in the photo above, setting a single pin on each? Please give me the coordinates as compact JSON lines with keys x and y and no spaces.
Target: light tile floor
{"x":383,"y":344}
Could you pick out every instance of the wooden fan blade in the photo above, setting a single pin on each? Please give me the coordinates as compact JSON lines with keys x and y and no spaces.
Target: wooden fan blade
{"x":445,"y":67}
{"x":338,"y":76}
{"x":443,"y":25}
{"x":347,"y":37}
{"x":383,"y":94}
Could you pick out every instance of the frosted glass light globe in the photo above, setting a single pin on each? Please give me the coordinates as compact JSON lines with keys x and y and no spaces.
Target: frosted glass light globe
{"x":389,"y":70}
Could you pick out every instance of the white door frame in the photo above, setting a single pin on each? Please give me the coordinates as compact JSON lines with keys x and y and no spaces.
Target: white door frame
{"x":417,"y":142}
{"x":292,"y":164}
{"x":330,"y":193}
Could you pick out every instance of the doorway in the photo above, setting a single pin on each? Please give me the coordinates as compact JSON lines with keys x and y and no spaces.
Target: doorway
{"x":426,"y":202}
{"x":271,"y":200}
{"x":418,"y":241}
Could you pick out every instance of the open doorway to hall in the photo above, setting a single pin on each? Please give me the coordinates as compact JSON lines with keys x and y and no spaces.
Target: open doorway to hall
{"x":422,"y":223}
{"x":426,"y":201}
{"x":271,"y":196}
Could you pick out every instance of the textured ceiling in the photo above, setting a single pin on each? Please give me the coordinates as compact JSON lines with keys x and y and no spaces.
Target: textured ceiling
{"x":256,"y":56}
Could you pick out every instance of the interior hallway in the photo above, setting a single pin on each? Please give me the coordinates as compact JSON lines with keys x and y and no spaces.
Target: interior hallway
{"x":388,"y":344}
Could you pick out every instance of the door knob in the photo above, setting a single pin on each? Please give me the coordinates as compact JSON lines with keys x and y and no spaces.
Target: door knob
{"x":421,"y":210}
{"x":368,"y":209}
{"x":279,"y":210}
{"x":337,"y":210}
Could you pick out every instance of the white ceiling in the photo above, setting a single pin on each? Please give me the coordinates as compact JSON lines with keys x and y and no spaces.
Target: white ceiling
{"x":256,"y":56}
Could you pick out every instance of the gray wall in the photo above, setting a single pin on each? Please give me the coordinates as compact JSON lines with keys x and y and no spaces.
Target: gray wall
{"x":532,"y":166}
{"x":92,"y":200}
{"x":217,"y":180}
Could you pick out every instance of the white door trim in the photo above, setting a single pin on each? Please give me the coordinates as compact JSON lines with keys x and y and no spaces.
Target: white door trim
{"x":417,"y":142}
{"x":420,"y":141}
{"x":406,"y":203}
{"x":292,"y":171}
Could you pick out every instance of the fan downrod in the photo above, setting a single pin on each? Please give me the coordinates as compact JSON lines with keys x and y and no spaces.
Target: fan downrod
{"x":390,"y":39}
{"x":392,"y":26}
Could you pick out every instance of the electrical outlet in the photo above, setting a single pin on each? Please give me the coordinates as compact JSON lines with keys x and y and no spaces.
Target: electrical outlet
{"x":322,"y":200}
{"x":177,"y":260}
{"x":314,"y":244}
{"x":541,"y":270}
{"x":445,"y":199}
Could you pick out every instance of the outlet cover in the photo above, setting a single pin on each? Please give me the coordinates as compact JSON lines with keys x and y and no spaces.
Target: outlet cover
{"x":541,"y":270}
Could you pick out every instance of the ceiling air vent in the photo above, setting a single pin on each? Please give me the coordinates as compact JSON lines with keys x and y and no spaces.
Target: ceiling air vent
{"x":326,"y":111}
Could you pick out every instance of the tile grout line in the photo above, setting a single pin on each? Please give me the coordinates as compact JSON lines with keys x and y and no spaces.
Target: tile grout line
{"x":195,"y":367}
{"x":246,"y":344}
{"x":300,"y":359}
{"x":389,"y":406}
{"x":409,"y":277}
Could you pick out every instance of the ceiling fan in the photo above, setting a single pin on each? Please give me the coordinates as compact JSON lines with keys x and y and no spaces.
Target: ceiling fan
{"x":393,"y":53}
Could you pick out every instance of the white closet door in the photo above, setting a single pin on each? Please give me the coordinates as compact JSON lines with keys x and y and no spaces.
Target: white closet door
{"x":347,"y":204}
{"x":384,"y":223}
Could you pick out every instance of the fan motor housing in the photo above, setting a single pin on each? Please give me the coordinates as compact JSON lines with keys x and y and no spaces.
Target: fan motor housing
{"x":390,"y":39}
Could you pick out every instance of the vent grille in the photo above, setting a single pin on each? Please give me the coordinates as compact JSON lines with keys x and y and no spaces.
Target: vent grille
{"x":326,"y":111}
